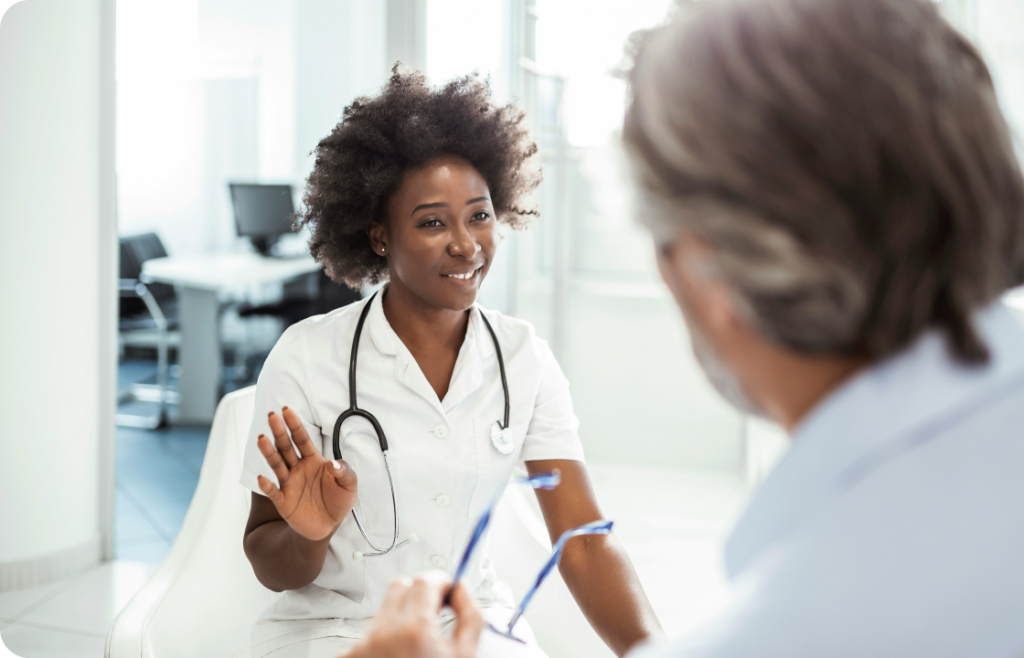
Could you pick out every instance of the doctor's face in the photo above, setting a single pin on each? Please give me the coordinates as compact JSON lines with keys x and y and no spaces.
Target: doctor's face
{"x":440,"y":236}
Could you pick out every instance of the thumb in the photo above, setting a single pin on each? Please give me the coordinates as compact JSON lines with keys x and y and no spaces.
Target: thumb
{"x":343,"y":474}
{"x":469,"y":622}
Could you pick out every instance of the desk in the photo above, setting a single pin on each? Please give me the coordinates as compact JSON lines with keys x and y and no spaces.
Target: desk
{"x":199,"y":280}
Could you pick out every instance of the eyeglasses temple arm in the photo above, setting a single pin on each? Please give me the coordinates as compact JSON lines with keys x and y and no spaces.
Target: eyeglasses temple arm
{"x":552,"y":561}
{"x":596,"y":528}
{"x":481,"y":526}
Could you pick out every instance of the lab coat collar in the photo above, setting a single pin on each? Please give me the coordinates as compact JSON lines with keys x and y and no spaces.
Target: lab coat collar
{"x":384,"y":337}
{"x":466,"y":377}
{"x":879,"y":413}
{"x":468,"y":374}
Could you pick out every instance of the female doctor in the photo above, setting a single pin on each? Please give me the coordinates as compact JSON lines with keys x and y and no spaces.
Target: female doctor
{"x":409,"y":189}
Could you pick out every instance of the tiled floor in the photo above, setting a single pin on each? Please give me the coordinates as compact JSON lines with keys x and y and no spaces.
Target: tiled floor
{"x":157,"y":473}
{"x":69,"y":618}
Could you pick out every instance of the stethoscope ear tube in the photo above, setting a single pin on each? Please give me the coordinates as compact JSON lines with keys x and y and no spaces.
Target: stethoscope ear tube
{"x":501,"y":368}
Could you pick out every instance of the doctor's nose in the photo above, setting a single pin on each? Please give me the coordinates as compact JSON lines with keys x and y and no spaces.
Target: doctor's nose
{"x":463,"y":244}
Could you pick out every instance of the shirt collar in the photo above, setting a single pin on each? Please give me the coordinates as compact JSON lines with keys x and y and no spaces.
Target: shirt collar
{"x":880,"y":412}
{"x":466,"y":377}
{"x":384,"y":337}
{"x":386,"y":340}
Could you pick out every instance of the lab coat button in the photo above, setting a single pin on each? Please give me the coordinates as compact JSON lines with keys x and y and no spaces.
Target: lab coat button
{"x":438,"y":562}
{"x":441,"y":431}
{"x":443,"y":501}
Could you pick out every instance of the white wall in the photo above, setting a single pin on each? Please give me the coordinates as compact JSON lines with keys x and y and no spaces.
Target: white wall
{"x":212,"y":91}
{"x":340,"y":55}
{"x":206,"y":95}
{"x":997,"y":27}
{"x":1000,"y":31}
{"x":55,"y":286}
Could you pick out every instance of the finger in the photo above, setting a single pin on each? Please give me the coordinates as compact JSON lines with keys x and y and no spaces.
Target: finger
{"x":273,"y":458}
{"x":343,"y":474}
{"x":281,"y":439}
{"x":468,"y":622}
{"x":270,"y":490}
{"x":394,"y":598}
{"x":299,"y":435}
{"x":427,"y":591}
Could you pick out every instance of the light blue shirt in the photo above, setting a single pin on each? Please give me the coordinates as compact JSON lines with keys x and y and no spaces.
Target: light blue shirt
{"x":894,"y":526}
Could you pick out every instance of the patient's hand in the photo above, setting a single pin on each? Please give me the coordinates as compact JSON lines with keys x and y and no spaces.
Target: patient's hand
{"x":316,"y":494}
{"x":407,"y":625}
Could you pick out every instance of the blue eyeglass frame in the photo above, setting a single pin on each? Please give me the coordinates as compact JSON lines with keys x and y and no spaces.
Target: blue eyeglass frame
{"x":602,"y":527}
{"x":545,"y":481}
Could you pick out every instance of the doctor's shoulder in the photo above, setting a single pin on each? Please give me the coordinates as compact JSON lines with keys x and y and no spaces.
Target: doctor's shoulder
{"x":316,"y":335}
{"x":518,"y":338}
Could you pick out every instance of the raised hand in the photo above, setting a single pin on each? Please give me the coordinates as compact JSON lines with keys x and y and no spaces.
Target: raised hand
{"x":316,"y":494}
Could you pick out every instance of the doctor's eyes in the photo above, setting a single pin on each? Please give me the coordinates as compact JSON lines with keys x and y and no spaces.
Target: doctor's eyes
{"x":433,"y":222}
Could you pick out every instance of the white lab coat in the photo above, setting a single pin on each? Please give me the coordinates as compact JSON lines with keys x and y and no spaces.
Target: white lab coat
{"x":894,"y":526}
{"x":445,"y":467}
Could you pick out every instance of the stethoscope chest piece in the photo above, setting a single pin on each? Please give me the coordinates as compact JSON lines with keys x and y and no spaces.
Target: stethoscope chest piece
{"x":502,"y":438}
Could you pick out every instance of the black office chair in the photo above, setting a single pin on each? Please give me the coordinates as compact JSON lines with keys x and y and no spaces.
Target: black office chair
{"x":312,"y":294}
{"x":146,"y":307}
{"x":305,"y":300}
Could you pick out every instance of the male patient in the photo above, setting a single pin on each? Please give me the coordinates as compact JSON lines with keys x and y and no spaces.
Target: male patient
{"x":837,"y":208}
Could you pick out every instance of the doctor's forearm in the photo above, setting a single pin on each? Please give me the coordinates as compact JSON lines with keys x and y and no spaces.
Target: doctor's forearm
{"x":281,"y":558}
{"x":602,"y":580}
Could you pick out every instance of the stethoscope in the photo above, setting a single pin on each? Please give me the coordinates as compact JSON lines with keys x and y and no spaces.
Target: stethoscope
{"x":501,"y":435}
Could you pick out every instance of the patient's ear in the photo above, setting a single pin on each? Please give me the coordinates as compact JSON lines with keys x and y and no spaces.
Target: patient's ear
{"x":689,"y":268}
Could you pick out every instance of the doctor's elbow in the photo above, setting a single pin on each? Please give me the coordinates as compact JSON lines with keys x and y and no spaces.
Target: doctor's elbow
{"x":280,"y":559}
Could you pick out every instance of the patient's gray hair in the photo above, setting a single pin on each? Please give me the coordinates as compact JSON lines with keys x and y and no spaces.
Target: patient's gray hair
{"x":845,"y":159}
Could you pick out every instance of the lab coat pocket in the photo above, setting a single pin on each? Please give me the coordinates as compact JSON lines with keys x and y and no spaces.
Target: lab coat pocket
{"x":494,"y":468}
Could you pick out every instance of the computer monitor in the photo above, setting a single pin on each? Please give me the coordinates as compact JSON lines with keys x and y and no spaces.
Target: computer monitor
{"x":262,"y":212}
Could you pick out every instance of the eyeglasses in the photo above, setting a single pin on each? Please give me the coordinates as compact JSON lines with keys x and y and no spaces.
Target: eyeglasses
{"x":545,"y":481}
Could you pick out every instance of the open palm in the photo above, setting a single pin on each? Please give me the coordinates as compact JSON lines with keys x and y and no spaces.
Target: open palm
{"x":315,"y":494}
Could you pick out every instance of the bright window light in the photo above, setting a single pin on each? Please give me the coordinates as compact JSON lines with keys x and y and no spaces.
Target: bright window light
{"x":463,"y":36}
{"x":583,"y":41}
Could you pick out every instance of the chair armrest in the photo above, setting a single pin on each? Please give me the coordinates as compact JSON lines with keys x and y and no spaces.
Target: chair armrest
{"x":135,"y":288}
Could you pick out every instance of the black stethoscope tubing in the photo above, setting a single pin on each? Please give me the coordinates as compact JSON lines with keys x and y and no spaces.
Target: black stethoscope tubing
{"x":354,"y":410}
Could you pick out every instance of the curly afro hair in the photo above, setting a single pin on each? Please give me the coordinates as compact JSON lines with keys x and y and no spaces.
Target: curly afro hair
{"x":361,"y":163}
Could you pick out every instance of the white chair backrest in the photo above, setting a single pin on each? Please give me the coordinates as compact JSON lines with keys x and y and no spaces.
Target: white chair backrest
{"x":204,"y":598}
